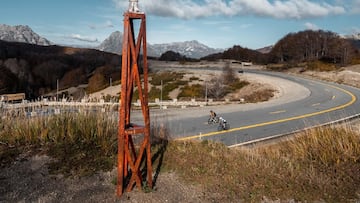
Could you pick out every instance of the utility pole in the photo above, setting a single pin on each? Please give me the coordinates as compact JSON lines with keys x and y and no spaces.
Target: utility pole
{"x":161,"y":90}
{"x":206,"y":93}
{"x":57,"y":89}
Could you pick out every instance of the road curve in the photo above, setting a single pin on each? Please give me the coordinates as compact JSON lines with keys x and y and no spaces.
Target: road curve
{"x":323,"y":103}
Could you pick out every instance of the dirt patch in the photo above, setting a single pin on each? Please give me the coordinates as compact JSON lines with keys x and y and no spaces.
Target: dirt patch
{"x":347,"y":75}
{"x":28,"y":180}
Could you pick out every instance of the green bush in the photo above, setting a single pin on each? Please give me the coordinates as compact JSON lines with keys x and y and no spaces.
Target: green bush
{"x":165,"y":77}
{"x":238,"y":84}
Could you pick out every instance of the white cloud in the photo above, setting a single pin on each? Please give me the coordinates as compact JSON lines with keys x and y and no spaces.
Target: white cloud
{"x":311,"y":26}
{"x":83,"y":38}
{"x":107,"y":24}
{"x":244,"y":26}
{"x":188,"y":9}
{"x":355,"y":6}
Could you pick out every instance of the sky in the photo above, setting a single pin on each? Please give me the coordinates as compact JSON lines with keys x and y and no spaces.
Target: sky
{"x":216,"y":23}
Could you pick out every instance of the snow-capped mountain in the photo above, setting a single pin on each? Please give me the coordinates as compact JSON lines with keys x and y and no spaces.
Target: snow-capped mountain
{"x":355,"y":36}
{"x":191,"y":49}
{"x":21,"y":33}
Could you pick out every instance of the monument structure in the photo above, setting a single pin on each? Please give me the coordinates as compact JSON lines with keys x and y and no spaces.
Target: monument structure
{"x":134,"y":163}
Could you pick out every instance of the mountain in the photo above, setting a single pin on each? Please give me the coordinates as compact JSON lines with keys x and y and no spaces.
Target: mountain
{"x":355,"y":36}
{"x":112,"y":44}
{"x":265,"y":50}
{"x":191,"y":49}
{"x":354,"y":39}
{"x":21,"y":33}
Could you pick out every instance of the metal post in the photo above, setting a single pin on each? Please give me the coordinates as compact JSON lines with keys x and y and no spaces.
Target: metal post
{"x":161,"y":89}
{"x":206,"y":93}
{"x":57,"y":89}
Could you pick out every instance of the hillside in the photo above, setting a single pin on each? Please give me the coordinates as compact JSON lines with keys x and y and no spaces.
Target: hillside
{"x":35,"y":69}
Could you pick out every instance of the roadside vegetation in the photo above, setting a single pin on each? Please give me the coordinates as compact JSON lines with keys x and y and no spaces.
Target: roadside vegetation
{"x":164,"y":82}
{"x":80,"y":143}
{"x":319,"y":164}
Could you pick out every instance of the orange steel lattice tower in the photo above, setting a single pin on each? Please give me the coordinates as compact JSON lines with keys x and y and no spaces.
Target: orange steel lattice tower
{"x":130,"y":159}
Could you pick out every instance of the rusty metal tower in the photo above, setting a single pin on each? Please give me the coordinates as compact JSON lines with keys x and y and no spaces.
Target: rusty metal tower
{"x":131,"y":158}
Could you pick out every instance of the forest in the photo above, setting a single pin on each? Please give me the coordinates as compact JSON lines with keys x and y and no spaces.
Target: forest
{"x":295,"y":48}
{"x":37,"y":70}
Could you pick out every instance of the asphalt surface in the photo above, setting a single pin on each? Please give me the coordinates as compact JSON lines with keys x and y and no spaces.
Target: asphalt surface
{"x":316,"y":103}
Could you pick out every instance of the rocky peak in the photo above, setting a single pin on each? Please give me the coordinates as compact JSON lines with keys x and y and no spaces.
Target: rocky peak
{"x":112,"y":44}
{"x":192,"y":49}
{"x":21,"y":33}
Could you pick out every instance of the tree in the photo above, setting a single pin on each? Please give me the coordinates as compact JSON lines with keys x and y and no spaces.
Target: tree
{"x":228,"y":74}
{"x":216,"y":88}
{"x":306,"y":46}
{"x":96,"y":82}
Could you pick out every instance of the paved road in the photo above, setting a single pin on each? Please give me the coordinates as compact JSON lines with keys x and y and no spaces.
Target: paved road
{"x":323,"y":103}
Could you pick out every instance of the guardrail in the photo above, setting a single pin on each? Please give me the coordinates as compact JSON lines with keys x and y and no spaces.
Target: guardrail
{"x":102,"y":103}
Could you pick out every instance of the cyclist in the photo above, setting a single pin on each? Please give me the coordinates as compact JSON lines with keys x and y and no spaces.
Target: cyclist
{"x":212,"y":114}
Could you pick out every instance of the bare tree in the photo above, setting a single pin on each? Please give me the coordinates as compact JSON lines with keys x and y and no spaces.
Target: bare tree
{"x":216,"y":88}
{"x":228,"y":74}
{"x":219,"y":86}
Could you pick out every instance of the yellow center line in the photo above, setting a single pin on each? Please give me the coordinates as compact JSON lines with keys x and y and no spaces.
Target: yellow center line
{"x":317,"y":104}
{"x":353,"y":99}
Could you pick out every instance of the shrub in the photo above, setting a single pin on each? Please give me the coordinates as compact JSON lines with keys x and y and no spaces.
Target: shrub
{"x":321,"y":66}
{"x":165,"y":77}
{"x":193,"y":91}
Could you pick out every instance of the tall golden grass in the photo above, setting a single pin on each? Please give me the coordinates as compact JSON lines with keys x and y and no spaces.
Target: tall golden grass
{"x":80,"y":143}
{"x":318,"y":164}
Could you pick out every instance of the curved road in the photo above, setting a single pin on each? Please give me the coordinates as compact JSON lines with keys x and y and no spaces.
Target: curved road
{"x":327,"y":102}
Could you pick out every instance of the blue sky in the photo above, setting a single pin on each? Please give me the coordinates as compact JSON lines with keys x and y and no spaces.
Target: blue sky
{"x":215,"y":23}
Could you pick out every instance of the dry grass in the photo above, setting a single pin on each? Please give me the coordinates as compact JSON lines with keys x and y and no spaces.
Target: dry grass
{"x":321,"y":66}
{"x":319,"y":164}
{"x":81,"y":143}
{"x":259,"y":96}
